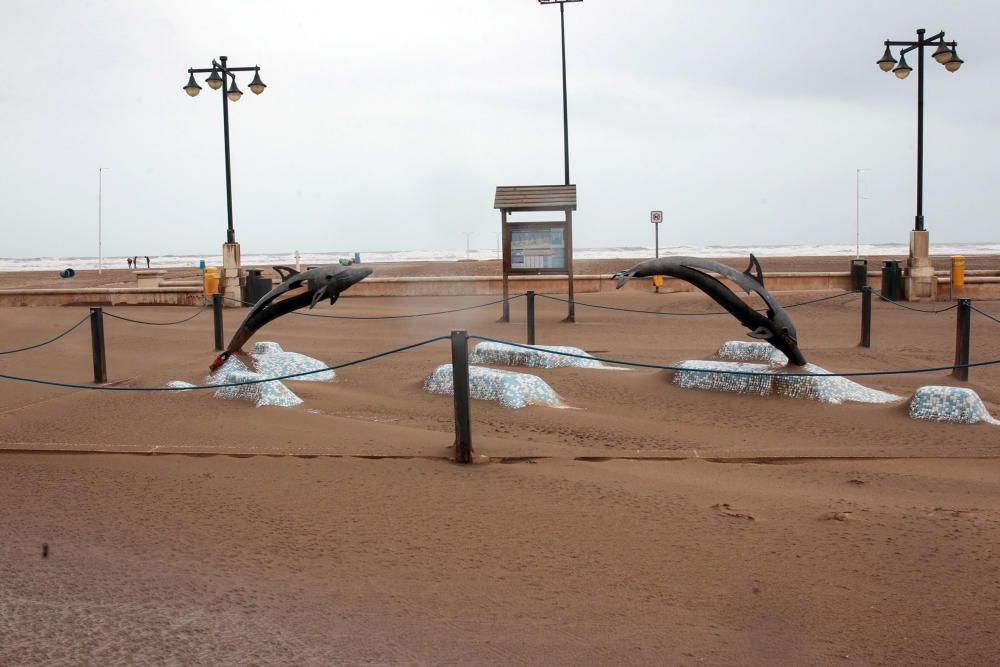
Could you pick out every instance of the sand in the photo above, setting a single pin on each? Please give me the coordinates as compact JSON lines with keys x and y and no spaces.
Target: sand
{"x":651,"y":525}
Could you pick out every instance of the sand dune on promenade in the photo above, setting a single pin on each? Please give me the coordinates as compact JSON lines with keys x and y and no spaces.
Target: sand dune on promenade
{"x":759,"y":530}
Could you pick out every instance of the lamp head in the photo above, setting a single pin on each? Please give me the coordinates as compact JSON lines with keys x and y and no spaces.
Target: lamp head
{"x":192,"y":88}
{"x":214,"y":81}
{"x":886,"y":62}
{"x":234,"y":93}
{"x":902,"y":70}
{"x":257,"y":86}
{"x":954,"y":62}
{"x":942,"y":54}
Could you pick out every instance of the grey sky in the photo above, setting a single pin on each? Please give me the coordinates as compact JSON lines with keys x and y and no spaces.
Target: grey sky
{"x":386,"y":125}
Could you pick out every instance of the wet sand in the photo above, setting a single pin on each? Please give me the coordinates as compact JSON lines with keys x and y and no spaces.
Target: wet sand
{"x":651,"y":525}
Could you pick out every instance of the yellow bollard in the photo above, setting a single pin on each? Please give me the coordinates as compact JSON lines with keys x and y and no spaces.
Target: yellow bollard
{"x":211,"y":280}
{"x":657,"y":281}
{"x":957,"y":271}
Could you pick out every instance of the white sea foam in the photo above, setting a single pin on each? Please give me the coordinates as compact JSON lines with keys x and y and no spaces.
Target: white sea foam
{"x":454,"y":255}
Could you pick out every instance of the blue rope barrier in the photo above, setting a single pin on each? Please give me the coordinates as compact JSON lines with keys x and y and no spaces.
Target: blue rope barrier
{"x":355,"y":362}
{"x":201,"y":309}
{"x":985,"y":314}
{"x":682,"y":314}
{"x":918,"y":310}
{"x":51,"y":340}
{"x":638,"y":364}
{"x":388,"y":317}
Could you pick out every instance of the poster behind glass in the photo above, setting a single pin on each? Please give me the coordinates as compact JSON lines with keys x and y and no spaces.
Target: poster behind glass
{"x":537,"y":248}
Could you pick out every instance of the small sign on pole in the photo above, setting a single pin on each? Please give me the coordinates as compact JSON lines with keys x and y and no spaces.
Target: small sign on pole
{"x":656,"y":217}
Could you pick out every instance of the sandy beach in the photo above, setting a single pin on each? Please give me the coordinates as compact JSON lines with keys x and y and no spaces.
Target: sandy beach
{"x":650,"y":524}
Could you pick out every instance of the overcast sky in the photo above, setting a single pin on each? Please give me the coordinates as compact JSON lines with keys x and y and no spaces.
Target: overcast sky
{"x":387,"y":125}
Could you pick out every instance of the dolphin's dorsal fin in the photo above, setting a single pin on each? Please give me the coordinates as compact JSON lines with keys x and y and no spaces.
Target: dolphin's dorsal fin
{"x":285,"y":272}
{"x":755,"y":265}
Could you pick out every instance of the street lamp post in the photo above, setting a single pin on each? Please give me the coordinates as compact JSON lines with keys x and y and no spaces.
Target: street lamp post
{"x":920,"y":282}
{"x":562,"y":30}
{"x":219,"y":72}
{"x":100,"y":216}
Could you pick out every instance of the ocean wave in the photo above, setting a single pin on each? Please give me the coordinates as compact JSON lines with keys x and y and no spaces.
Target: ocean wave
{"x":453,"y":255}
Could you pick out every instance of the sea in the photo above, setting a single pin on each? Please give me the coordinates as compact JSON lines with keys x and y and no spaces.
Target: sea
{"x":455,"y":255}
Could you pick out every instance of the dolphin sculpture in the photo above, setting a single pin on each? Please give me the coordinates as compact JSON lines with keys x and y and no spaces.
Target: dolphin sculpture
{"x":319,"y":283}
{"x":775,"y":327}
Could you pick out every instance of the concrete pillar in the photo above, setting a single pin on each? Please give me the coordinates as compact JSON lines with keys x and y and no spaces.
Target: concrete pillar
{"x":919,"y":284}
{"x":231,"y":287}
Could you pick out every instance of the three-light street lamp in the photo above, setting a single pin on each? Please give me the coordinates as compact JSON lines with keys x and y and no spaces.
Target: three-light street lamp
{"x":218,"y":74}
{"x":945,"y":54}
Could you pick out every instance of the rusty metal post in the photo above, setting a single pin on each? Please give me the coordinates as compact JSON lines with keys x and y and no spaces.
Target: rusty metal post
{"x":97,"y":345}
{"x":866,"y":316}
{"x":530,"y":303}
{"x":460,"y":385}
{"x":217,"y":312}
{"x":963,"y":331}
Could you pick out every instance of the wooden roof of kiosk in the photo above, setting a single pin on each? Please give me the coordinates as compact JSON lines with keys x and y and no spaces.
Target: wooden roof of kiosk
{"x":527,"y":198}
{"x":535,"y":198}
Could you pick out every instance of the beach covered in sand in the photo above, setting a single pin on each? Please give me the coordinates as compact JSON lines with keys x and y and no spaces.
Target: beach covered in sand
{"x":648,"y":524}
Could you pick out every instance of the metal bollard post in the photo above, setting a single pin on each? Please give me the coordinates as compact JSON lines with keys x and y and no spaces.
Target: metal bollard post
{"x":963,"y":330}
{"x":460,"y":384}
{"x":866,"y":316}
{"x":217,"y":312}
{"x":97,"y":345}
{"x":531,"y":316}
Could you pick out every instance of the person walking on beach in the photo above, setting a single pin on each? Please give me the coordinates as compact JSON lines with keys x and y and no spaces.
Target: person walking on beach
{"x":130,"y":262}
{"x":147,"y":261}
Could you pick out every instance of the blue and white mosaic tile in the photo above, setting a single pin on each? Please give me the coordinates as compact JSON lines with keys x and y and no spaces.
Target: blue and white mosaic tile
{"x":179,"y":384}
{"x":697,"y":374}
{"x":509,"y":389}
{"x":957,"y":405}
{"x":261,"y":393}
{"x":272,"y":361}
{"x":745,"y":350}
{"x":539,"y":356}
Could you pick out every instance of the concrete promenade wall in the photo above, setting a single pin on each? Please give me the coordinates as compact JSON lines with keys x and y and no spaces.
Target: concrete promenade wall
{"x":978,"y":285}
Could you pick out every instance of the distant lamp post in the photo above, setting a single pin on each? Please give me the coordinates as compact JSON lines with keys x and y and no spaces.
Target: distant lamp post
{"x":920,"y":282}
{"x":562,"y":28}
{"x":218,"y":73}
{"x":100,"y":221}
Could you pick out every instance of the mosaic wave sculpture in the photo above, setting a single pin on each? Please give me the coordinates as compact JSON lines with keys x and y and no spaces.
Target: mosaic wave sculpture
{"x":539,"y":356}
{"x":696,"y":374}
{"x":272,"y":361}
{"x":269,"y":361}
{"x":957,"y":405}
{"x":261,"y":393}
{"x":745,"y":350}
{"x":509,"y":389}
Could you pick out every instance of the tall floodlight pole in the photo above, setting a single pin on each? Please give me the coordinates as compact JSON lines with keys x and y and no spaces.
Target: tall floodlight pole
{"x":219,"y":72}
{"x":562,"y":31}
{"x":857,"y":213}
{"x":100,"y":215}
{"x":947,"y":55}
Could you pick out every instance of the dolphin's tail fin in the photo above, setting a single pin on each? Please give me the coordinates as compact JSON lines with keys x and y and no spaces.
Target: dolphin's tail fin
{"x":753,"y":269}
{"x":623,"y":277}
{"x":285,"y":272}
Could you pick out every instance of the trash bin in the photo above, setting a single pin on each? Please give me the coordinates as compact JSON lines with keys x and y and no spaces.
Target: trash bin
{"x":201,"y":264}
{"x":892,"y":280}
{"x":859,"y":274}
{"x":257,"y":286}
{"x":357,"y":258}
{"x":211,"y":280}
